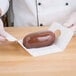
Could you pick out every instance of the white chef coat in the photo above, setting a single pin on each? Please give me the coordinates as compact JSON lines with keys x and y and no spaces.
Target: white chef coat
{"x":4,"y":5}
{"x":42,"y":12}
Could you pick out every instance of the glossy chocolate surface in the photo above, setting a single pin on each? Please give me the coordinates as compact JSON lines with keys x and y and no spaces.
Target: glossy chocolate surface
{"x":39,"y":39}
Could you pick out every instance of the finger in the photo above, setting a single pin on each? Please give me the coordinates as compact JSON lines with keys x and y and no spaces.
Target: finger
{"x":2,"y":38}
{"x":71,"y":20}
{"x":73,"y":28}
{"x":69,"y":23}
{"x":3,"y":33}
{"x":72,"y":25}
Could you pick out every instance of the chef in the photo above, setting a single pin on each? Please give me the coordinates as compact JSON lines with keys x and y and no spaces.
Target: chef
{"x":43,"y":12}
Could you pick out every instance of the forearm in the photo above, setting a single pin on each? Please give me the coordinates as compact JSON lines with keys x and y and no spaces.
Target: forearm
{"x":4,"y":5}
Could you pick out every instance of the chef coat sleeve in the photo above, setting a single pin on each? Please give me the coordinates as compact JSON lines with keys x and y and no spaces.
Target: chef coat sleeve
{"x":4,"y":5}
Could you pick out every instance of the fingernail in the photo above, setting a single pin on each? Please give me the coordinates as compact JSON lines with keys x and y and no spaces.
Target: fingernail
{"x":71,"y":26}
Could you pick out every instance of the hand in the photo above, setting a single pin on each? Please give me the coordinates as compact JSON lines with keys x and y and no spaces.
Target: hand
{"x":2,"y":32}
{"x":71,"y":22}
{"x":0,"y":12}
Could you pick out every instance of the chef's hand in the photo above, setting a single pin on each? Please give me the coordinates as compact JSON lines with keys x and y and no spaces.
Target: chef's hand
{"x":2,"y":32}
{"x":0,"y":12}
{"x":71,"y":22}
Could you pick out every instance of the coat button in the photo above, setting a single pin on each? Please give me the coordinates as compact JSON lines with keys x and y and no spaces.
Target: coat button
{"x":41,"y":24}
{"x":67,"y":4}
{"x":39,"y":3}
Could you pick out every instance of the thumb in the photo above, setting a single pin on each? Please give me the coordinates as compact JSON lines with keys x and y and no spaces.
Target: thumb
{"x":2,"y":31}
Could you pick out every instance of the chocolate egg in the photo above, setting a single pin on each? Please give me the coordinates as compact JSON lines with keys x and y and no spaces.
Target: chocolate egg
{"x":39,"y":39}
